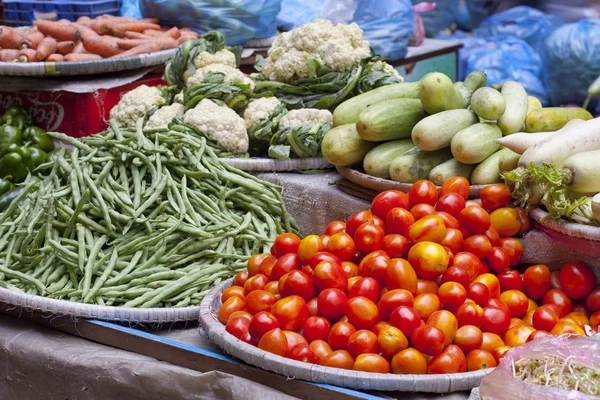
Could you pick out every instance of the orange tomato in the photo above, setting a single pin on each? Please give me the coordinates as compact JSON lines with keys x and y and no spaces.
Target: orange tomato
{"x":428,"y":229}
{"x":446,"y":322}
{"x":291,"y":312}
{"x":531,"y":305}
{"x":492,"y":283}
{"x":516,"y":321}
{"x":518,"y":335}
{"x":254,"y":263}
{"x":371,"y":363}
{"x":500,"y":352}
{"x":391,"y":340}
{"x":272,"y":287}
{"x":506,"y":221}
{"x":350,"y":269}
{"x":321,"y":349}
{"x":231,"y":305}
{"x":491,"y":341}
{"x":426,"y":286}
{"x":259,"y":300}
{"x":242,"y":314}
{"x":480,"y":359}
{"x":338,"y":359}
{"x":409,"y":361}
{"x":401,"y":275}
{"x":579,"y":318}
{"x":274,"y":341}
{"x":310,"y":245}
{"x":468,"y":337}
{"x":233,"y":291}
{"x":426,"y":304}
{"x":566,"y":327}
{"x":429,"y":259}
{"x":516,"y":301}
{"x":361,"y":342}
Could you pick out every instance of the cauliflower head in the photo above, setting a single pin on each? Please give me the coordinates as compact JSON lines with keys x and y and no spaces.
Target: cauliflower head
{"x":232,"y":75}
{"x":388,"y":69}
{"x":259,"y":110}
{"x":163,"y":116}
{"x":223,"y":56}
{"x":220,"y":124}
{"x":305,"y":116}
{"x":136,"y":104}
{"x":338,"y":47}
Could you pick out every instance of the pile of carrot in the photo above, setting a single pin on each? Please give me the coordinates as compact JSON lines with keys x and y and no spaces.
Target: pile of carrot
{"x":87,"y":39}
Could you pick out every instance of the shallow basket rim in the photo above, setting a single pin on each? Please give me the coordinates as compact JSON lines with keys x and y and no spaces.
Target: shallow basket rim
{"x":572,"y":229}
{"x":261,"y":164}
{"x":215,"y":330}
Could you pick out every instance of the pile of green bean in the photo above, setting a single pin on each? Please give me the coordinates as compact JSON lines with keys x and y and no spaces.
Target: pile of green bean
{"x":138,"y":219}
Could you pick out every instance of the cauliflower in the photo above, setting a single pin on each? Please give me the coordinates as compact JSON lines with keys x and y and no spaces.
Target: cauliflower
{"x":388,"y":69}
{"x":259,"y":110}
{"x":179,"y":97}
{"x":163,"y":116}
{"x":136,"y":104}
{"x":232,"y":75}
{"x":338,"y":47}
{"x":220,"y":124}
{"x":224,"y":57}
{"x":305,"y":116}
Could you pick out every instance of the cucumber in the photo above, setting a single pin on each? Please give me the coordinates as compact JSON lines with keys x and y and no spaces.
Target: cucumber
{"x":416,"y":164}
{"x":474,"y":144}
{"x":516,"y":108}
{"x":378,"y":159}
{"x":473,"y":82}
{"x":389,"y":120}
{"x":436,"y":131}
{"x":488,"y":171}
{"x":488,"y":103}
{"x":450,"y":168}
{"x":508,"y":161}
{"x":439,"y":94}
{"x":343,"y":146}
{"x":349,"y":110}
{"x":553,"y":118}
{"x":533,"y":104}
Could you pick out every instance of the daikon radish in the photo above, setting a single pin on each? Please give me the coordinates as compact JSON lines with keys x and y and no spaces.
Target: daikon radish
{"x":520,"y":142}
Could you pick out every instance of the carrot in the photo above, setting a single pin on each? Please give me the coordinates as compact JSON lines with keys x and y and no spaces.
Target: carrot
{"x":135,"y":35}
{"x":119,"y":29}
{"x":65,"y":47}
{"x":55,"y":58}
{"x":153,"y":33}
{"x":46,"y":47}
{"x":149,"y":47}
{"x":79,"y":49}
{"x":57,"y":30}
{"x":184,"y":38}
{"x":118,"y":19}
{"x":165,"y":43}
{"x":84,"y":19}
{"x":9,"y":39}
{"x":30,"y":54}
{"x":97,"y":44}
{"x":64,"y":21}
{"x":8,"y":54}
{"x":82,"y":57}
{"x":173,"y":32}
{"x":150,"y":20}
{"x":31,"y":39}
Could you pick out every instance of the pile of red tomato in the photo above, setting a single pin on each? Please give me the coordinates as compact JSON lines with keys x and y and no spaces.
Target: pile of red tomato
{"x":420,"y":283}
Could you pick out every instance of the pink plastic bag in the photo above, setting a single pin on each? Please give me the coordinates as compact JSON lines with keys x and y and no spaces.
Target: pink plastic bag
{"x":501,"y":384}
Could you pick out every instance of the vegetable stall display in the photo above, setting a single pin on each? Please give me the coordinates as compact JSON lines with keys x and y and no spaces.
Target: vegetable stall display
{"x":420,"y":283}
{"x":135,"y":218}
{"x":87,"y":39}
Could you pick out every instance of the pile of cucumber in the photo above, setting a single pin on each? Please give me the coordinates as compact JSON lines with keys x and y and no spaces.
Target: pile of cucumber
{"x":435,"y":129}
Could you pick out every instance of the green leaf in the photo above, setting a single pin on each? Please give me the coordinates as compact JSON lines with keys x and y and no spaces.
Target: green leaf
{"x":279,"y":152}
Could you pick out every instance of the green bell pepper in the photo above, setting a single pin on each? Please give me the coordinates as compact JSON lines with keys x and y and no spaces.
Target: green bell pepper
{"x":38,"y":138}
{"x":5,"y":186}
{"x":16,"y":116}
{"x":10,"y":135}
{"x":13,"y":165}
{"x":36,"y":158}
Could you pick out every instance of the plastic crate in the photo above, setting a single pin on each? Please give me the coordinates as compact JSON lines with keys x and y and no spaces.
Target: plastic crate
{"x":19,"y":12}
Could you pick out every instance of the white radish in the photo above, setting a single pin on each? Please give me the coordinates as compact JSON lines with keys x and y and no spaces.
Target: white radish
{"x":556,"y":149}
{"x":596,"y":206}
{"x":581,"y":172}
{"x":520,"y":142}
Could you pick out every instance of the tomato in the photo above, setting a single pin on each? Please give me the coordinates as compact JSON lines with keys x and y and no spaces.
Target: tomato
{"x":423,"y":191}
{"x":375,"y":267}
{"x":592,"y":300}
{"x":273,"y":287}
{"x":428,"y":259}
{"x":231,"y":305}
{"x":316,"y":258}
{"x":500,"y":352}
{"x":528,"y":318}
{"x":510,"y":280}
{"x":303,"y":353}
{"x":517,"y":335}
{"x":531,"y":305}
{"x":449,"y":221}
{"x":388,"y":200}
{"x":426,"y":286}
{"x":338,"y":359}
{"x":469,"y":261}
{"x":545,"y":318}
{"x":536,"y":281}
{"x":453,"y":240}
{"x":313,"y":306}
{"x":475,"y":220}
{"x":407,"y":319}
{"x":505,"y":221}
{"x":567,"y":327}
{"x":331,"y":303}
{"x":391,"y":340}
{"x":396,"y":246}
{"x":452,"y":295}
{"x":401,"y":275}
{"x":342,"y":246}
{"x":254,"y":263}
{"x":316,"y":328}
{"x":459,"y":355}
{"x":558,"y":297}
{"x":525,"y":221}
{"x":335,"y":227}
{"x":451,"y":203}
{"x":240,"y":278}
{"x":450,"y":259}
{"x":579,"y":317}
{"x":595,"y":319}
{"x":240,"y":314}
{"x":369,"y":237}
{"x":362,"y":312}
{"x":291,"y":312}
{"x":361,"y":217}
{"x":426,"y":304}
{"x":428,"y":339}
{"x":496,"y":303}
{"x":422,"y":210}
{"x":324,"y":240}
{"x":321,"y":349}
{"x":468,"y":337}
{"x":514,"y":249}
{"x":577,"y":280}
{"x":456,"y":184}
{"x":428,"y":229}
{"x":495,"y":320}
{"x":470,"y":314}
{"x":339,"y":335}
{"x":266,"y":266}
{"x":231,"y":292}
{"x":479,"y":245}
{"x":293,"y":339}
{"x":330,"y":275}
{"x":308,"y":247}
{"x":456,"y":274}
{"x":237,"y":326}
{"x":297,"y":283}
{"x":366,"y":287}
{"x":479,"y":293}
{"x":409,"y":361}
{"x":444,"y":363}
{"x":261,"y":323}
{"x":516,"y":302}
{"x":362,"y":342}
{"x":480,"y":359}
{"x":394,"y":299}
{"x":371,"y":363}
{"x":259,"y":300}
{"x":493,"y":236}
{"x":516,"y":321}
{"x":498,"y":260}
{"x":274,"y":341}
{"x":495,"y":196}
{"x":492,"y":283}
{"x":446,"y":322}
{"x":491,"y":341}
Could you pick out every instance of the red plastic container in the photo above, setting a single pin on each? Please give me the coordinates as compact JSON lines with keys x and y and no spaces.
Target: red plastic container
{"x":75,"y":114}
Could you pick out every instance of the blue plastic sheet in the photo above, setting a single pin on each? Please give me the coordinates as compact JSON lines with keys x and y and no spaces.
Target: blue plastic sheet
{"x":238,"y":20}
{"x":131,"y":8}
{"x":571,"y":57}
{"x":442,"y":17}
{"x":471,"y":46}
{"x":525,"y":23}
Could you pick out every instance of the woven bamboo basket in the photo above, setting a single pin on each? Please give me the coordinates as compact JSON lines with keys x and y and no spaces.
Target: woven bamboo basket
{"x":272,"y":165}
{"x":442,"y":383}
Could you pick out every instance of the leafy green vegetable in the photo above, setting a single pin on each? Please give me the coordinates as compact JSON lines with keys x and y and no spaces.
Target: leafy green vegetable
{"x":214,"y":87}
{"x":260,"y":133}
{"x":299,"y":141}
{"x":373,"y":78}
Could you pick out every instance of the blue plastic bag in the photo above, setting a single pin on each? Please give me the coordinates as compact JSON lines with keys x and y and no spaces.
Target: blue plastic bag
{"x":525,"y":23}
{"x":471,"y":46}
{"x":510,"y":59}
{"x":442,"y":17}
{"x":571,"y":57}
{"x":131,"y":8}
{"x":238,"y":20}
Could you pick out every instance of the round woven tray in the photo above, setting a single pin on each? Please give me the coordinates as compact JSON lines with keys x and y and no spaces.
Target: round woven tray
{"x":85,"y":67}
{"x":269,"y":164}
{"x":121,"y":314}
{"x":442,"y":383}
{"x":381,"y":185}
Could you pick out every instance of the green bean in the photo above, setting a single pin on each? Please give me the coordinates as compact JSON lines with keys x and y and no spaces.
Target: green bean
{"x":100,"y":281}
{"x":24,"y":278}
{"x":87,"y":276}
